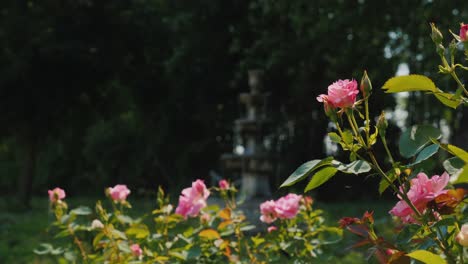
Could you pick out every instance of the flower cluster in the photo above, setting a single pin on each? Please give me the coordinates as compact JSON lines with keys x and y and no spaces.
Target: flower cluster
{"x":285,"y":207}
{"x":193,"y":199}
{"x":422,"y":191}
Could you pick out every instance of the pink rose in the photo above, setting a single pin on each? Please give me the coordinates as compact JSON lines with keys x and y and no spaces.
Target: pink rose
{"x":223,"y":184}
{"x":136,"y":250}
{"x":193,"y":199}
{"x":422,"y":191}
{"x":56,"y":194}
{"x":462,"y":237}
{"x":288,"y":206}
{"x":272,"y":228}
{"x":341,"y":93}
{"x":267,"y":209}
{"x":119,"y":192}
{"x":464,"y":32}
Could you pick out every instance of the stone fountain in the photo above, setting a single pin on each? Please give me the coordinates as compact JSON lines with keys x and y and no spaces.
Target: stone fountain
{"x":250,"y":157}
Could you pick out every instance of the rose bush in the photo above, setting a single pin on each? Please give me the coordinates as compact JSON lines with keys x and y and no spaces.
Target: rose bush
{"x":195,"y":232}
{"x":431,"y":213}
{"x":430,"y":210}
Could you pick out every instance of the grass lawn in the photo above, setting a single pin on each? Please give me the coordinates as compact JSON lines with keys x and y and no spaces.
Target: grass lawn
{"x":21,"y":232}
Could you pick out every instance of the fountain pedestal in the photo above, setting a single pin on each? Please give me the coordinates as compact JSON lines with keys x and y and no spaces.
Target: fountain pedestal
{"x":250,"y":157}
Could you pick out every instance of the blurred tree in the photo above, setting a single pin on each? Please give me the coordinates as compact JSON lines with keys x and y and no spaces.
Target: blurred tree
{"x":86,"y":84}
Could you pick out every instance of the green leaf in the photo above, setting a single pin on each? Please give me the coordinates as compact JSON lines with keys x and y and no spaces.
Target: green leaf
{"x":194,"y":252}
{"x":118,"y":234}
{"x":447,"y":99}
{"x":63,"y":233}
{"x":355,"y":167}
{"x":97,"y":239}
{"x":330,"y":235}
{"x":320,"y":178}
{"x":348,"y":137}
{"x":453,"y":165}
{"x":247,"y":228}
{"x":210,"y":234}
{"x":456,"y":151}
{"x":123,"y":246}
{"x":413,"y":140}
{"x":373,"y":137}
{"x":140,"y":231}
{"x":125,"y":219}
{"x":383,"y":185}
{"x":409,"y":83}
{"x":462,"y":177}
{"x":426,"y":257}
{"x":82,"y":210}
{"x":43,"y":249}
{"x":334,"y":137}
{"x":426,"y":153}
{"x":407,"y":233}
{"x":257,"y":240}
{"x":304,"y":170}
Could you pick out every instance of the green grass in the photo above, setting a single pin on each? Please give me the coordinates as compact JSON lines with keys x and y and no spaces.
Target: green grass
{"x":21,"y":232}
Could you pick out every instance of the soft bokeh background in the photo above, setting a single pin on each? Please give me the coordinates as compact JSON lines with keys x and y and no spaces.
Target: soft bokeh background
{"x":145,"y":92}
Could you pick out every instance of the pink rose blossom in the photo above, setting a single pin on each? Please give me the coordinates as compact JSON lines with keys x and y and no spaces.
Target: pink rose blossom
{"x":119,"y":192}
{"x":193,"y":199}
{"x":136,"y":250}
{"x":288,"y":206}
{"x":462,"y":236}
{"x":464,"y":32}
{"x":56,"y":194}
{"x":341,"y":93}
{"x":272,"y":228}
{"x":422,"y":191}
{"x":223,"y":184}
{"x":267,"y":209}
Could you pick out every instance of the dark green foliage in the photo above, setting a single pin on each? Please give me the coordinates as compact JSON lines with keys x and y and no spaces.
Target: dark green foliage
{"x":93,"y":93}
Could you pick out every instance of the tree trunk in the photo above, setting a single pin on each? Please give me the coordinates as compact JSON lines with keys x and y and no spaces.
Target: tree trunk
{"x":28,"y":169}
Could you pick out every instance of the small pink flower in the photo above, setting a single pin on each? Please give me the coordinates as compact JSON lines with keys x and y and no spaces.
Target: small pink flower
{"x":193,"y":199}
{"x":56,"y":194}
{"x":341,"y":93}
{"x":462,"y":236}
{"x":136,"y":250}
{"x":422,"y":191}
{"x":119,"y":192}
{"x":272,"y":228}
{"x":223,"y":184}
{"x":288,"y":206}
{"x":205,"y":218}
{"x":267,"y":209}
{"x":464,"y":32}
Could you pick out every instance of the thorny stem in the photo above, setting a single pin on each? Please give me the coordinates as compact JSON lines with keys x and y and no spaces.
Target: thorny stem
{"x":366,"y":105}
{"x":354,"y":127}
{"x":384,"y":141}
{"x":444,"y":246}
{"x":400,"y":193}
{"x":341,"y":135}
{"x":453,"y":74}
{"x":441,"y":243}
{"x":78,"y":243}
